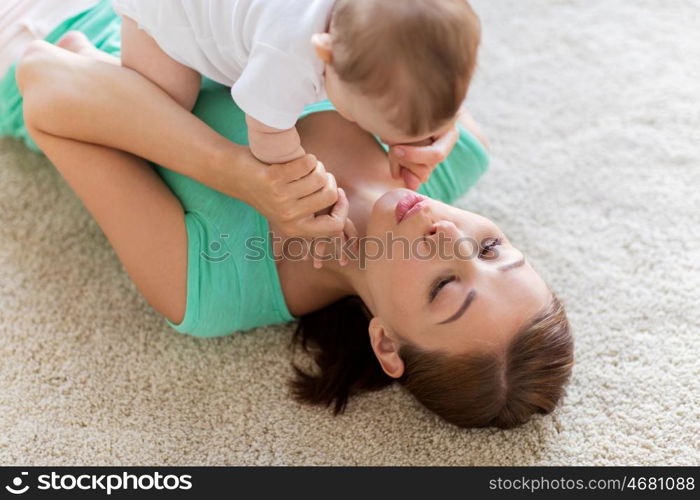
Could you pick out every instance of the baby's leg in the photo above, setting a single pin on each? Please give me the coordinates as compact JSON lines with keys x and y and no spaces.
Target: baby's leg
{"x":141,"y":53}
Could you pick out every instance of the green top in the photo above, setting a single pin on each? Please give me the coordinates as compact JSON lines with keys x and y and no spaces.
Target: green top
{"x":232,"y":280}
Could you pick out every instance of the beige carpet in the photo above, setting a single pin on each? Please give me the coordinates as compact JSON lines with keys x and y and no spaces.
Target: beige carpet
{"x":593,"y":109}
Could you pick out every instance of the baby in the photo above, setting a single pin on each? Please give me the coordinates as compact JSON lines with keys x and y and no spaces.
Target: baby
{"x":400,"y":69}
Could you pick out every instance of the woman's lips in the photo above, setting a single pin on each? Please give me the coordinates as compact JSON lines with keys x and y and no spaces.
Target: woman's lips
{"x":409,"y":205}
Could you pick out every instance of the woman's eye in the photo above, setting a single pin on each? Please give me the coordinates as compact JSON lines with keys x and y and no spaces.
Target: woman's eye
{"x":439,"y":284}
{"x":488,"y":249}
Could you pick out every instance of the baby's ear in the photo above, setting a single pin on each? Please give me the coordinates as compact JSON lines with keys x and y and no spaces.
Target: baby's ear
{"x":323,"y":43}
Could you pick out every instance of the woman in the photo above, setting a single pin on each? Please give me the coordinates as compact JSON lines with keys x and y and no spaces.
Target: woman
{"x":472,"y":330}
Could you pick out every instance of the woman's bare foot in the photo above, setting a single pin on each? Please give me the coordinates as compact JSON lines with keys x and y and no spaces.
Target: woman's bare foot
{"x":77,"y":42}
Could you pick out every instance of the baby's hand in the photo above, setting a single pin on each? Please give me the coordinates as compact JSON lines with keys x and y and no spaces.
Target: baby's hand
{"x":415,"y":162}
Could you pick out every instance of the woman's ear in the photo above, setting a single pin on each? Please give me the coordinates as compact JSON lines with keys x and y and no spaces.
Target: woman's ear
{"x":385,"y":349}
{"x":323,"y":43}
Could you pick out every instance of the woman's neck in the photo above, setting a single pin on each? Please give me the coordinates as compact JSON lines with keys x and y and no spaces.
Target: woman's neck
{"x":362,"y":199}
{"x":351,"y":279}
{"x":361,"y":168}
{"x":307,"y":289}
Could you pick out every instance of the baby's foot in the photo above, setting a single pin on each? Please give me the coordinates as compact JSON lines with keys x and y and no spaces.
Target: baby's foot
{"x":75,"y":41}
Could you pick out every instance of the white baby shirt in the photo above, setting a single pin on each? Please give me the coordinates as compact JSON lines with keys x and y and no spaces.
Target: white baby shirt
{"x":260,"y":48}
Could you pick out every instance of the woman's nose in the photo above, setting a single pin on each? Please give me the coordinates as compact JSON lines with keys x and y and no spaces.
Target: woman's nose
{"x":448,"y":229}
{"x":452,"y":241}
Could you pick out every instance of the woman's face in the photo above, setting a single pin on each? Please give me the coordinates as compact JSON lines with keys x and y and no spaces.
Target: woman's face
{"x":446,"y":279}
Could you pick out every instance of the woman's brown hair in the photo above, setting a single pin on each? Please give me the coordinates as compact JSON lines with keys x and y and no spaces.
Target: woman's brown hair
{"x":473,"y":390}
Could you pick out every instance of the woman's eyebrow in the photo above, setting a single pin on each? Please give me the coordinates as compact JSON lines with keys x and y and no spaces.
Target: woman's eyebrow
{"x":472,"y":293}
{"x":462,"y":309}
{"x":512,"y":265}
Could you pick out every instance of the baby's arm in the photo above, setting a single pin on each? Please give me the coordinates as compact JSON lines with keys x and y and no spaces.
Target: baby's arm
{"x":141,"y":53}
{"x":271,"y":145}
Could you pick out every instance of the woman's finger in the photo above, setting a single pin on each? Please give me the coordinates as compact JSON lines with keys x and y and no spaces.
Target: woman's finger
{"x":342,"y":235}
{"x":350,"y":234}
{"x":309,"y":184}
{"x":298,"y":169}
{"x":320,"y":201}
{"x":332,"y":223}
{"x":328,"y":243}
{"x":342,"y":206}
{"x":319,"y":250}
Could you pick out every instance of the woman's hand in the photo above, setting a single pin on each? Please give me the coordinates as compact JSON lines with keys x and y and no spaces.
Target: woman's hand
{"x":335,"y":246}
{"x":290,"y":195}
{"x":415,"y":162}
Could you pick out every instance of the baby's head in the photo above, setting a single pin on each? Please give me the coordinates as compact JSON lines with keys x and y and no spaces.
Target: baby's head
{"x":400,"y":68}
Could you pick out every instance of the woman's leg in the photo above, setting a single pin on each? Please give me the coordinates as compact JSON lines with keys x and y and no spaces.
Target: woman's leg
{"x":140,"y":216}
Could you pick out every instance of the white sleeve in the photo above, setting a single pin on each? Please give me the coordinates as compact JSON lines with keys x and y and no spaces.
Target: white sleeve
{"x":275,"y":86}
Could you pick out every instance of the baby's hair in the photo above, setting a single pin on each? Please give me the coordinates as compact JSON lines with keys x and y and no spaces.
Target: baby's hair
{"x":421,"y":50}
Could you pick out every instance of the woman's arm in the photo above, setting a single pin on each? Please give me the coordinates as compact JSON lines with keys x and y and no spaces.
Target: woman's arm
{"x":88,"y":100}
